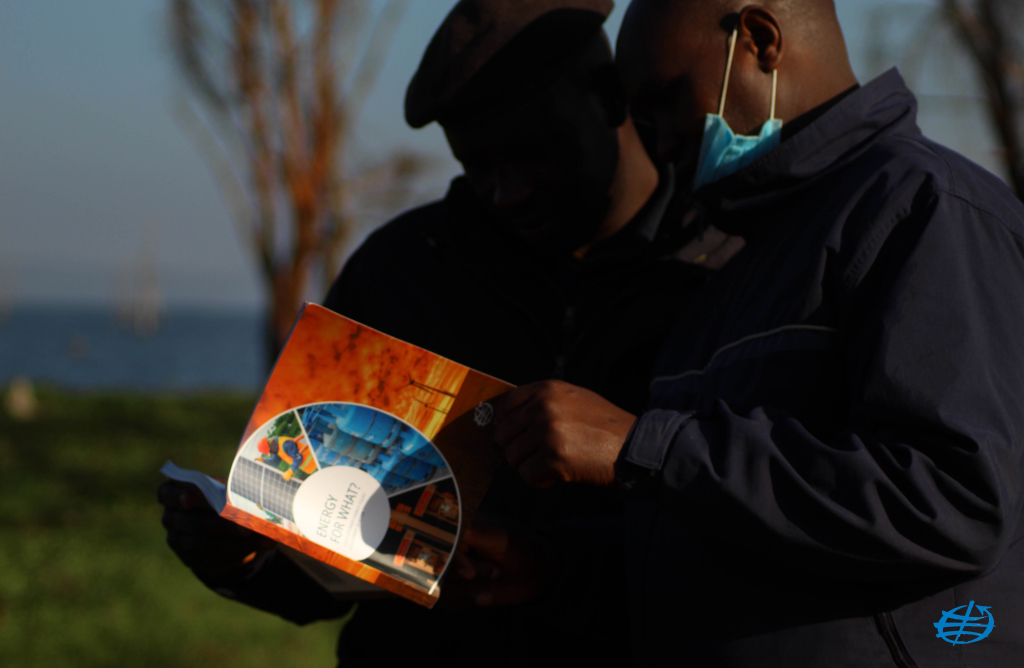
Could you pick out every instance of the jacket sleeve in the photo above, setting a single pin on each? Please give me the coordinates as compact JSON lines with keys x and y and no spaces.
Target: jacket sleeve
{"x":923,"y":479}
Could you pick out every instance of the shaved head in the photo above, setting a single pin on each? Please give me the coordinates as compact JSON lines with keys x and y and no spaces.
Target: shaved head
{"x":811,"y":19}
{"x":808,"y":11}
{"x":672,"y":57}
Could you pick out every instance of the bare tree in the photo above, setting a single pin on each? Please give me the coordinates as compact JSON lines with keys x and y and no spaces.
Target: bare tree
{"x":279,"y":85}
{"x":987,"y":28}
{"x":986,"y":32}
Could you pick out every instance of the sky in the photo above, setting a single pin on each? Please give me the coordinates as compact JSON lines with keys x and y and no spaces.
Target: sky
{"x":97,"y":171}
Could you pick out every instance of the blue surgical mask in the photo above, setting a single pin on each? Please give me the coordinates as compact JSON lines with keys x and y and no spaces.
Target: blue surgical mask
{"x":723,"y":152}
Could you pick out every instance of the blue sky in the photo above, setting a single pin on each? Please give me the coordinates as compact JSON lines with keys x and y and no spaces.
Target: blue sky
{"x":94,"y":166}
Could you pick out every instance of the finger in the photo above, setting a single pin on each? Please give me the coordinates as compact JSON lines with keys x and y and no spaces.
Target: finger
{"x":197,"y":550}
{"x":538,"y":438}
{"x":522,"y":448}
{"x":216,"y":565}
{"x":169,"y":493}
{"x":541,"y":471}
{"x":513,"y":424}
{"x":205,"y":522}
{"x":471,"y":567}
{"x":463,"y":566}
{"x":514,"y":398}
{"x":181,"y":495}
{"x":489,"y":542}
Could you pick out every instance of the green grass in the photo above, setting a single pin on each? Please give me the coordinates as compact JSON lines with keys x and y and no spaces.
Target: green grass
{"x":86,"y":578}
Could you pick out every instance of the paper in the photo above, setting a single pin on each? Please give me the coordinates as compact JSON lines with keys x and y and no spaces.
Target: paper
{"x":216,"y":493}
{"x":365,"y":453}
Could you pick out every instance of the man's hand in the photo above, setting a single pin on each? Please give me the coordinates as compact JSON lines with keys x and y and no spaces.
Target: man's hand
{"x":206,"y":542}
{"x":554,"y":431}
{"x":498,"y":565}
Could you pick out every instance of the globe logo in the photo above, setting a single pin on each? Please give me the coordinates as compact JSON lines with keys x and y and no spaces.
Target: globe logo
{"x":963,"y":629}
{"x":483,"y":414}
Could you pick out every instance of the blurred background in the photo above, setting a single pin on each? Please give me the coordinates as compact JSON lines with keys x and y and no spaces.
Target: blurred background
{"x":176,"y":178}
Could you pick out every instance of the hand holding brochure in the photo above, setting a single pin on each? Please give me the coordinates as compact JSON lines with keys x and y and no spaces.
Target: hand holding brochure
{"x":364,"y":452}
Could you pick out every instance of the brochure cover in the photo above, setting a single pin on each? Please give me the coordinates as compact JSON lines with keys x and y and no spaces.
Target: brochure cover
{"x":366,"y":453}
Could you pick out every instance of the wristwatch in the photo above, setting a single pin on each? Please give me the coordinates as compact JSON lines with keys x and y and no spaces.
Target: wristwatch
{"x":632,"y":479}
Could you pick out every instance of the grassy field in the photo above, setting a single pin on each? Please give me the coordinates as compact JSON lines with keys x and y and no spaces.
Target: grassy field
{"x":86,"y":578}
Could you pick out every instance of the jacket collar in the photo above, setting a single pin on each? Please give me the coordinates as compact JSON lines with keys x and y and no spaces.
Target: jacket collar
{"x":471,"y":220}
{"x":738,"y":203}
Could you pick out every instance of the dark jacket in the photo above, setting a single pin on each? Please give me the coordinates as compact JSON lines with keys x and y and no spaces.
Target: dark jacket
{"x":445,"y":278}
{"x":832,"y":457}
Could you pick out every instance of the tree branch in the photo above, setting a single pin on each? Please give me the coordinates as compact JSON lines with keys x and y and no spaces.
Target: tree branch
{"x":983,"y":34}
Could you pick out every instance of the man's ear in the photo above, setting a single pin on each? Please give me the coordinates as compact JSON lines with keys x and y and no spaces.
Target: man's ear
{"x":762,"y":28}
{"x":611,"y":93}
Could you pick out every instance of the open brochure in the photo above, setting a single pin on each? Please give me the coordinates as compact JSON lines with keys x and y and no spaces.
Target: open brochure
{"x":365,"y":458}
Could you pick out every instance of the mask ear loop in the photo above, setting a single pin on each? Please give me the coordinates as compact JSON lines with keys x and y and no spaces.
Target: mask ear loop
{"x":728,"y":70}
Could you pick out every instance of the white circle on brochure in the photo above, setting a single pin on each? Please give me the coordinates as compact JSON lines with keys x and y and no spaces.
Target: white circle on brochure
{"x":343,"y":509}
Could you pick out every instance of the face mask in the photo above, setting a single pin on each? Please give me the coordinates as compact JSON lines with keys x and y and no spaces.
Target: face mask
{"x":722,"y":152}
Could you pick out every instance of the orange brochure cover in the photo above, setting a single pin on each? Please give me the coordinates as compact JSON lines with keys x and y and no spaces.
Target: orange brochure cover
{"x":366,"y":453}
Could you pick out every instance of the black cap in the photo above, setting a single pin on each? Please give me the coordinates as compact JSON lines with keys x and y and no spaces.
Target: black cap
{"x":486,"y":50}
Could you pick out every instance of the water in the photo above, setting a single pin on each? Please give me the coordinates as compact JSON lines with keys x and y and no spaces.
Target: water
{"x":86,"y":348}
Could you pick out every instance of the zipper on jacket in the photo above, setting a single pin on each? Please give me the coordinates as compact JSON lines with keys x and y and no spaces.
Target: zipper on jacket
{"x":897,"y":650}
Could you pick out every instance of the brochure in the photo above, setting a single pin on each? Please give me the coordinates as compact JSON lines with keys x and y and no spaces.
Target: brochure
{"x":365,"y":457}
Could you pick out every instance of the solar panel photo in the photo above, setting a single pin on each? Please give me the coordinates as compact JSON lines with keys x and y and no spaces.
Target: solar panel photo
{"x":264,"y":486}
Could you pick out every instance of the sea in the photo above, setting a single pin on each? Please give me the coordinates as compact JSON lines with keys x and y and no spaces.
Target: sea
{"x":92,"y":348}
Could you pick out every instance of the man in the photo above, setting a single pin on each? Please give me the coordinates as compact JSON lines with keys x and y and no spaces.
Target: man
{"x":548,"y":259}
{"x":830,"y":469}
{"x":288,"y":454}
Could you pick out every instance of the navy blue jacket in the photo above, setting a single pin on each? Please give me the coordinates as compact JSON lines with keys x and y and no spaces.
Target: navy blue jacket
{"x":832,"y":456}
